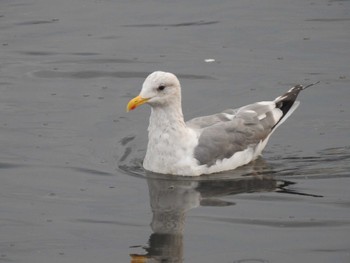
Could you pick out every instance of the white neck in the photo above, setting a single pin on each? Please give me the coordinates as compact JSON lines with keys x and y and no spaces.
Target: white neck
{"x":168,"y":117}
{"x":168,"y":138}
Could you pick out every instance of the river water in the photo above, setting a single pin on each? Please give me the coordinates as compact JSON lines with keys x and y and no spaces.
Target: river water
{"x":72,"y":188}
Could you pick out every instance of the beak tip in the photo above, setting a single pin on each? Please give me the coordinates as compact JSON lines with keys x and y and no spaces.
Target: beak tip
{"x":130,"y":108}
{"x":135,"y":102}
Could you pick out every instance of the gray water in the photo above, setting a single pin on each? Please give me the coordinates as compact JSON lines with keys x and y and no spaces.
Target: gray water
{"x":72,"y":188}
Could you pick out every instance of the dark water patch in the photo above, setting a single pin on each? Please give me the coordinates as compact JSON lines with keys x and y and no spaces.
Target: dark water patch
{"x":341,"y":203}
{"x":84,"y":53}
{"x":90,"y":171}
{"x":37,"y":22}
{"x":102,"y":61}
{"x":315,"y":73}
{"x":192,"y":76}
{"x":125,"y":155}
{"x":292,"y":223}
{"x":4,"y":258}
{"x":134,"y":169}
{"x":89,"y":74}
{"x":11,"y":222}
{"x":38,"y":53}
{"x":10,"y":165}
{"x":236,"y":185}
{"x":106,"y":222}
{"x":215,"y":202}
{"x":285,"y":187}
{"x":251,"y":260}
{"x":127,"y":139}
{"x":212,"y":186}
{"x":332,"y":250}
{"x":110,"y":37}
{"x":19,"y":4}
{"x":328,"y":163}
{"x":3,"y":83}
{"x":185,"y":24}
{"x":294,"y":192}
{"x":49,"y":53}
{"x":105,"y":61}
{"x":327,"y":20}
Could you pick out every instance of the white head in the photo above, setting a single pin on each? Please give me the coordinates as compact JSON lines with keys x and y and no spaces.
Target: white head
{"x":159,"y":89}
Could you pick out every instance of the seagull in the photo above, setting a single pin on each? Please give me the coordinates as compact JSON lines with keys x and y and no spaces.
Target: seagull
{"x":207,"y":144}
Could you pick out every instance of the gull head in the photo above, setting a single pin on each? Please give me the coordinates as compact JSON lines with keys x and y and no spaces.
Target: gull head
{"x":160,"y":89}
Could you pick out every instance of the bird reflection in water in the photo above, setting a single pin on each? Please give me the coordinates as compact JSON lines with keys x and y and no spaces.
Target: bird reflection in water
{"x":171,"y":197}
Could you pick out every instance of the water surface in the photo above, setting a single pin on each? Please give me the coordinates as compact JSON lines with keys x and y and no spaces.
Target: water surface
{"x":72,"y":187}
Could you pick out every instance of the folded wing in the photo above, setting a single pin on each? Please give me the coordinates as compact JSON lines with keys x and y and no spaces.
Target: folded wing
{"x":222,"y":135}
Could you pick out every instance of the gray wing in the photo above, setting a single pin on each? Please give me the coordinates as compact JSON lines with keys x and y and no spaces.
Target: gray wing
{"x":223,"y":134}
{"x":206,"y":121}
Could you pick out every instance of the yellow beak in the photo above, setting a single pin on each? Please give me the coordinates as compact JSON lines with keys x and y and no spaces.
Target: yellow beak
{"x":135,"y":102}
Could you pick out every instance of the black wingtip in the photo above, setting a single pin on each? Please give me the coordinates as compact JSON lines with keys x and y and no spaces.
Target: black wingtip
{"x":286,"y":101}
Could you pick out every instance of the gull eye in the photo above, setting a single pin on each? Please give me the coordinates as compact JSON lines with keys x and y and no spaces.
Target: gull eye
{"x":161,"y":87}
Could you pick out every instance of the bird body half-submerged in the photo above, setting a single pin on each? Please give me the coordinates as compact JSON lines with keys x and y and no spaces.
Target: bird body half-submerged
{"x":208,"y":144}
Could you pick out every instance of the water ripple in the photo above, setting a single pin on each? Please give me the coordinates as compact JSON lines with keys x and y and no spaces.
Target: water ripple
{"x":184,"y":24}
{"x":292,"y":223}
{"x":88,"y":74}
